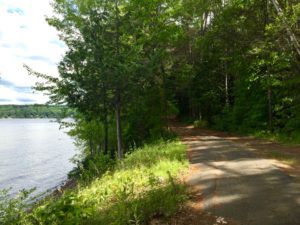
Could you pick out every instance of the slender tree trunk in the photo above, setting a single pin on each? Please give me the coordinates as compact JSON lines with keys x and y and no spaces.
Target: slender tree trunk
{"x":269,"y":92}
{"x":200,"y":114}
{"x":118,"y":123}
{"x":165,"y":109}
{"x":290,"y":33}
{"x":270,"y":100}
{"x":226,"y":80}
{"x":224,"y":3}
{"x":270,"y":109}
{"x":99,"y":143}
{"x":105,"y":132}
{"x":91,"y":146}
{"x":226,"y":88}
{"x":105,"y":119}
{"x":118,"y":96}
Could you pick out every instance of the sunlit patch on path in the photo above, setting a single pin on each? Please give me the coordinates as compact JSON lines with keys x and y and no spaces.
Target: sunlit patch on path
{"x":238,"y":184}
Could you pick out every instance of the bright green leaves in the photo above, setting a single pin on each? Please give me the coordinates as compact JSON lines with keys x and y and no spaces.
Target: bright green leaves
{"x":200,"y":56}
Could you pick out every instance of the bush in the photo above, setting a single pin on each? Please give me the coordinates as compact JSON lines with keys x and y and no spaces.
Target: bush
{"x":13,"y":209}
{"x":200,"y":124}
{"x":92,"y":167}
{"x":142,"y":186}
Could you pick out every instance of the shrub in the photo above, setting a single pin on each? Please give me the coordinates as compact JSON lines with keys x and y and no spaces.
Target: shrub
{"x":142,"y":186}
{"x":92,"y":167}
{"x":13,"y":209}
{"x":200,"y":124}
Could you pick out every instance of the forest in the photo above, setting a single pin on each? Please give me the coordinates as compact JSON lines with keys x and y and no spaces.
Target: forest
{"x":132,"y":66}
{"x":34,"y":111}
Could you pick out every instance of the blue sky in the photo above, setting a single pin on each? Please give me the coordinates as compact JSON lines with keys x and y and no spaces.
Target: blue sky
{"x":26,"y":38}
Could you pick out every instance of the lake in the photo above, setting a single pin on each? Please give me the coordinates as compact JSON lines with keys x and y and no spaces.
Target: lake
{"x":34,"y":153}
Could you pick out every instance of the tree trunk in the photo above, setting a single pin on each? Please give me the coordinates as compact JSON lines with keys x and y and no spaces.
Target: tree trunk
{"x":118,"y":123}
{"x":118,"y":96}
{"x":105,"y":119}
{"x":226,"y":79}
{"x":91,"y":146}
{"x":226,"y":88}
{"x":200,"y":114}
{"x":270,"y":109}
{"x":291,"y":35}
{"x":105,"y":133}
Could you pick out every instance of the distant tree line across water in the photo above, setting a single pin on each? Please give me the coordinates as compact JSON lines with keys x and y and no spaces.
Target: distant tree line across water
{"x":35,"y":111}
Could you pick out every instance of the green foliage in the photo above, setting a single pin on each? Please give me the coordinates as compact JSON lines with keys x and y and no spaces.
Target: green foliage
{"x":231,"y":63}
{"x":142,"y":186}
{"x":200,"y":124}
{"x":13,"y":208}
{"x":117,"y":67}
{"x":289,"y":138}
{"x":161,"y":200}
{"x":92,"y":167}
{"x":89,"y":134}
{"x":242,"y":70}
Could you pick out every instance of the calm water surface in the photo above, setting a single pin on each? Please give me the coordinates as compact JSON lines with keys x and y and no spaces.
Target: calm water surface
{"x":33,"y":153}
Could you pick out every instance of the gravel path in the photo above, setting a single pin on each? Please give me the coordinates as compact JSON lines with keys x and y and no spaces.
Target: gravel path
{"x":238,"y":184}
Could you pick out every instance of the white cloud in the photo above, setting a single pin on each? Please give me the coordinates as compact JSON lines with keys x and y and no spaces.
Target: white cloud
{"x":26,"y":38}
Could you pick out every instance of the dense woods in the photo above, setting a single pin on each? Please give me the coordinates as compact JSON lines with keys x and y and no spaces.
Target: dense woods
{"x":34,"y":111}
{"x":131,"y":65}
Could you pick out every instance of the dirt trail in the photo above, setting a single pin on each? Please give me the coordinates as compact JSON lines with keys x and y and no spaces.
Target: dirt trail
{"x":236,"y":183}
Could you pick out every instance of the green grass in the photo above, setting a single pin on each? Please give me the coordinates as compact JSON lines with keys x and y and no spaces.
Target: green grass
{"x":289,"y":140}
{"x":283,"y":157}
{"x":277,"y":136}
{"x":142,"y":186}
{"x":200,"y":124}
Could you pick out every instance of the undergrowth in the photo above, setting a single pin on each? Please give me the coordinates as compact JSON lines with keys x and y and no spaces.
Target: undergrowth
{"x":292,"y":138}
{"x":143,"y":186}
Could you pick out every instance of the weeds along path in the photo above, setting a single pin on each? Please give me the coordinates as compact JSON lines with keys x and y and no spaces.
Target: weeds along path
{"x":236,"y":183}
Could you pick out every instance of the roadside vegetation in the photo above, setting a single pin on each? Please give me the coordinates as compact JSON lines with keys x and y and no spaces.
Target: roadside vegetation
{"x":279,"y":136}
{"x":145,"y":185}
{"x":273,"y":145}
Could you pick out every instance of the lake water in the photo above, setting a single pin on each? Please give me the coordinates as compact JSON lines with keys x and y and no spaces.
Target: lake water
{"x":34,"y":153}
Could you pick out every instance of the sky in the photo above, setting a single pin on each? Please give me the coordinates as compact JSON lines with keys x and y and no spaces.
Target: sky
{"x":26,"y":38}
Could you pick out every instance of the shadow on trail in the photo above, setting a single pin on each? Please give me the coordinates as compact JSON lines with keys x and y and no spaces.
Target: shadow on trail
{"x":236,"y":183}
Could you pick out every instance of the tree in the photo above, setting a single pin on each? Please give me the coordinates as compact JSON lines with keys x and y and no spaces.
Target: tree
{"x":115,"y":61}
{"x":134,"y":63}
